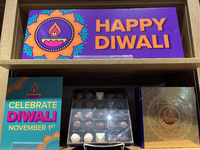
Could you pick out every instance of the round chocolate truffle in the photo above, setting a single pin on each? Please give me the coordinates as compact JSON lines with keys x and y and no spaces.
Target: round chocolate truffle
{"x":110,"y":115}
{"x":88,"y":125}
{"x":110,"y":104}
{"x":110,"y":125}
{"x":88,"y":137}
{"x":121,"y":114}
{"x":111,"y":138}
{"x":123,"y":138}
{"x":100,"y":104}
{"x":110,"y":95}
{"x":112,"y":112}
{"x":78,"y":104}
{"x":123,"y":125}
{"x":121,"y":105}
{"x":100,"y":126}
{"x":75,"y":138}
{"x":119,"y":95}
{"x":79,"y":95}
{"x":89,"y":95}
{"x":100,"y":115}
{"x":77,"y":125}
{"x":89,"y":104}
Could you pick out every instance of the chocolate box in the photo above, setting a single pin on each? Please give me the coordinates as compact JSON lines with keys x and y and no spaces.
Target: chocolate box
{"x":168,"y":117}
{"x":103,"y":33}
{"x":99,"y":116}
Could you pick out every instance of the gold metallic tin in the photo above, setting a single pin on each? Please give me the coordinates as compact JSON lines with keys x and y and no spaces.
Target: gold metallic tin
{"x":169,"y":117}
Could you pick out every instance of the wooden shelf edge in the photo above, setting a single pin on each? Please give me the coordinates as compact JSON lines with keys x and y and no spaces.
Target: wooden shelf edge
{"x":133,"y":148}
{"x":5,"y":62}
{"x":29,"y":2}
{"x":144,"y":64}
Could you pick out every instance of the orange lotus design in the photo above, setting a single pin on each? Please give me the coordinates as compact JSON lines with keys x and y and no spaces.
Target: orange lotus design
{"x":16,"y":85}
{"x":48,"y":140}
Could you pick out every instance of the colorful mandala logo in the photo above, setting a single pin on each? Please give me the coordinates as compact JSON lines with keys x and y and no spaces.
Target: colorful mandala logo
{"x":55,"y":34}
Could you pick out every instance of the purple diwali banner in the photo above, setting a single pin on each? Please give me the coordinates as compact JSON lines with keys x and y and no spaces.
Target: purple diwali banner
{"x":103,"y":33}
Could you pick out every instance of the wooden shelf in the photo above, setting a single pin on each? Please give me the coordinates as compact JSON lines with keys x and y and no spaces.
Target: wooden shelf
{"x":113,"y":72}
{"x":174,"y":64}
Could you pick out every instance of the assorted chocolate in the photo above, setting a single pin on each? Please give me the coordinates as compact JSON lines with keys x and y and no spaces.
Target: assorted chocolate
{"x":75,"y":138}
{"x":77,"y":125}
{"x":88,"y":137}
{"x":99,"y":116}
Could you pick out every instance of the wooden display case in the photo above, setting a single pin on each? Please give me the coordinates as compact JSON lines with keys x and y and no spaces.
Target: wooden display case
{"x":2,"y":6}
{"x":130,"y":72}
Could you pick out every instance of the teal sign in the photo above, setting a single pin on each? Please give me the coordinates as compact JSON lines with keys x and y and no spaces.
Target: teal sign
{"x":32,"y":114}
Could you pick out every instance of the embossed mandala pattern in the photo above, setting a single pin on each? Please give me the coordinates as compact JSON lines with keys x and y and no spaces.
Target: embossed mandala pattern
{"x":169,"y":116}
